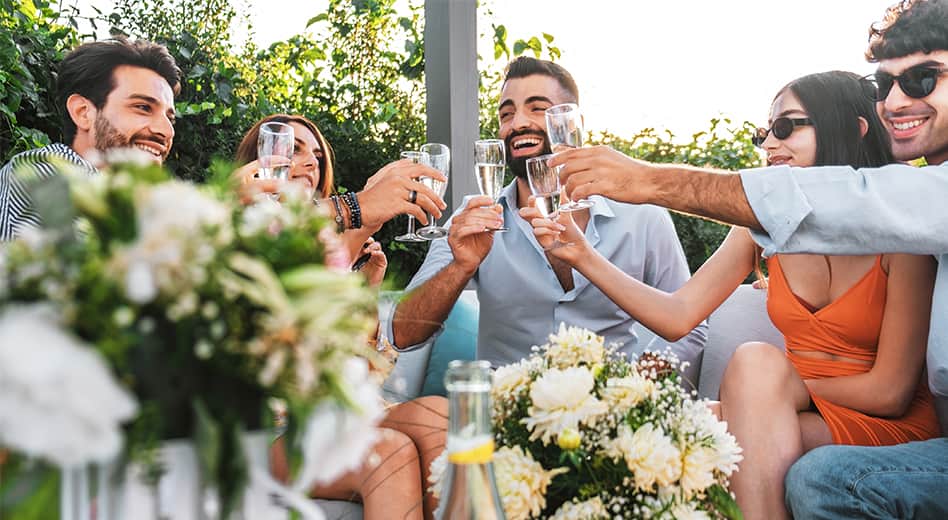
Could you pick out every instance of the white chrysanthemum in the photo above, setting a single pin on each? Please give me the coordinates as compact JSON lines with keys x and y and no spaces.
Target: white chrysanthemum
{"x":726,"y":450}
{"x":592,"y":509}
{"x":337,"y":439}
{"x":522,"y":482}
{"x":649,"y":454}
{"x":562,"y":399}
{"x":627,"y":392}
{"x":436,"y":474}
{"x":511,"y":379}
{"x":58,"y":399}
{"x":265,"y":215}
{"x":572,"y":346}
{"x":697,"y":469}
{"x":687,"y":511}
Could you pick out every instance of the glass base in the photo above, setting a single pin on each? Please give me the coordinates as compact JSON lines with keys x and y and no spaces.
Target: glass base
{"x":432,"y":232}
{"x":409,"y":237}
{"x":496,"y":229}
{"x":576,"y":205}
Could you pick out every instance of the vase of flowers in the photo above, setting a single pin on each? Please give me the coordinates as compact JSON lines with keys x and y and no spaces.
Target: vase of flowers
{"x":584,"y":433}
{"x":148,"y":309}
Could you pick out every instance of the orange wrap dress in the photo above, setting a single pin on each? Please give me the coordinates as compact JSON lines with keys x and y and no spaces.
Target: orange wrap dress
{"x":848,"y":326}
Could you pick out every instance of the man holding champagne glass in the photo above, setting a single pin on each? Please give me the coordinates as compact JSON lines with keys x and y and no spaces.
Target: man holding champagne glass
{"x":524,"y":293}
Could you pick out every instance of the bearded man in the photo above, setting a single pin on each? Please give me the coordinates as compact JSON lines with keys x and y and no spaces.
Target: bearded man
{"x":115,"y":94}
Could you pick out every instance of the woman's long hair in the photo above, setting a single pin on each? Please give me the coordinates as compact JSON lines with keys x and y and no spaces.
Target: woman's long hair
{"x":835,"y":101}
{"x":247,"y":149}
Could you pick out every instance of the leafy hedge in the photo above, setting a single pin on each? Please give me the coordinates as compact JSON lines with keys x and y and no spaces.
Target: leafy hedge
{"x":357,"y":72}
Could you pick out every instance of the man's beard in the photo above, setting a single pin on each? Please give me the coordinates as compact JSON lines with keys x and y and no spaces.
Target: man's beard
{"x":518,"y":166}
{"x":107,"y":137}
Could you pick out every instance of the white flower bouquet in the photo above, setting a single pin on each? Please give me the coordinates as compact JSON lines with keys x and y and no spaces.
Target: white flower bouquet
{"x":148,"y":309}
{"x":583,"y":433}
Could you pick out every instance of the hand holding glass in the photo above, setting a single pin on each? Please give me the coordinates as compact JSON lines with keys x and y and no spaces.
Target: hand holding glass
{"x":410,"y":235}
{"x":489,"y":163}
{"x":440,"y":159}
{"x":545,"y":186}
{"x":564,"y":126}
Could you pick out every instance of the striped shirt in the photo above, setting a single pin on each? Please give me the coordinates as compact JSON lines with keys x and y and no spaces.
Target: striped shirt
{"x":16,"y":207}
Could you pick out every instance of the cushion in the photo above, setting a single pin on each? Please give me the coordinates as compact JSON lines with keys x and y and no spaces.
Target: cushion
{"x":458,"y":341}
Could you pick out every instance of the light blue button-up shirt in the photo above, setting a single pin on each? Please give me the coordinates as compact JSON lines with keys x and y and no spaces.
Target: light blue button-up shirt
{"x":522,"y":302}
{"x":837,"y":210}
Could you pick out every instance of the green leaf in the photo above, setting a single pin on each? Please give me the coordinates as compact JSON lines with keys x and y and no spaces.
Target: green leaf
{"x":207,"y":439}
{"x":519,"y":47}
{"x":318,"y":18}
{"x":724,"y":503}
{"x":548,"y":37}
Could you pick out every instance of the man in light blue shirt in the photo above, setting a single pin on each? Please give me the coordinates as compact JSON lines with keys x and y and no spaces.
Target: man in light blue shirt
{"x":524,"y":294}
{"x":838,"y":210}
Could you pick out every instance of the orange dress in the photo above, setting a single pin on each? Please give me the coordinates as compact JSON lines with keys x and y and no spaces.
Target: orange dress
{"x":848,"y":326}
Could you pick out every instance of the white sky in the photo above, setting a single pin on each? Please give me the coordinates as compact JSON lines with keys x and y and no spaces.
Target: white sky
{"x":671,"y":64}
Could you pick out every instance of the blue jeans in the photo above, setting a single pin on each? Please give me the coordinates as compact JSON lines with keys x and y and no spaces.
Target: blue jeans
{"x":902,"y":481}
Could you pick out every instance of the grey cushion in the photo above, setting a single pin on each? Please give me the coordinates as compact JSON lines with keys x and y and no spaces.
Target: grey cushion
{"x":340,"y":509}
{"x":741,"y":318}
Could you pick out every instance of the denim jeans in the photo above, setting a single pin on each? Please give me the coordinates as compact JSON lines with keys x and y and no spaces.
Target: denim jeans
{"x":902,"y":481}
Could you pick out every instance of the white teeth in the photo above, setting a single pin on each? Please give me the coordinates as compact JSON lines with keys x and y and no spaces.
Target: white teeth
{"x":908,"y":125}
{"x":526,"y":142}
{"x":148,"y":149}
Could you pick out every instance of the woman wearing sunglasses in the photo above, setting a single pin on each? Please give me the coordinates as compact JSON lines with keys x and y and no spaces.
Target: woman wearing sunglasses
{"x":855,"y":327}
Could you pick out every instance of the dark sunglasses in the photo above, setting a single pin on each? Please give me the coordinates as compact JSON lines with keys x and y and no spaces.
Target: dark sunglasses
{"x":782,"y":127}
{"x":916,"y":82}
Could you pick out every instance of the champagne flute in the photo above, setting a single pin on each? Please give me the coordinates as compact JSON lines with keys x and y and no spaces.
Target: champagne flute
{"x":275,"y":150}
{"x":564,"y":126}
{"x":545,"y":186}
{"x":440,"y":159}
{"x":410,"y":235}
{"x":489,"y":164}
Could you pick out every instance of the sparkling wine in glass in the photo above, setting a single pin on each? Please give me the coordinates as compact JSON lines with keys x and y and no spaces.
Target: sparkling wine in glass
{"x":545,"y":186}
{"x":564,"y":126}
{"x":440,"y":159}
{"x":490,"y":161}
{"x":410,"y":235}
{"x":275,"y":150}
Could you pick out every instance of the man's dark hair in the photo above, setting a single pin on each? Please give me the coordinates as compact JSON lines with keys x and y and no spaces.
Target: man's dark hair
{"x":88,"y":71}
{"x":909,"y":26}
{"x":835,"y":101}
{"x":524,"y":66}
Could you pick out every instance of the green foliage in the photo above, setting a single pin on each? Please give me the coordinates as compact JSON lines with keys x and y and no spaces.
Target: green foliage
{"x":723,"y":145}
{"x":32,"y":42}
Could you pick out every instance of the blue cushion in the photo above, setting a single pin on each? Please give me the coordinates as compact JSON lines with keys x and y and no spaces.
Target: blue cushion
{"x":458,"y":341}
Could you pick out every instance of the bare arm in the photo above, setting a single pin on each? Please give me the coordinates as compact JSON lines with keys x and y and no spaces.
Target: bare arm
{"x":600,"y":170}
{"x":432,"y":301}
{"x":888,"y":388}
{"x":672,"y":315}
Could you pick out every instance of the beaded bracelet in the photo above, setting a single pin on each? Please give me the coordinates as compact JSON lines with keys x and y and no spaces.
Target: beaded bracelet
{"x":340,"y":221}
{"x":355,"y":212}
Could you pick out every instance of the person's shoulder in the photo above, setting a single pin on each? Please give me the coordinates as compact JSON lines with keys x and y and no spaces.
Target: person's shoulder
{"x":45,"y":160}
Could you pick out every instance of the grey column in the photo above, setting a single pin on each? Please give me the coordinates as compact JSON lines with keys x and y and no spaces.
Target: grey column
{"x":451,"y":80}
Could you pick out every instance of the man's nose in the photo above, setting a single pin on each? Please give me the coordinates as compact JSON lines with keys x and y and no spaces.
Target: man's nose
{"x":896,"y":100}
{"x":161,"y":126}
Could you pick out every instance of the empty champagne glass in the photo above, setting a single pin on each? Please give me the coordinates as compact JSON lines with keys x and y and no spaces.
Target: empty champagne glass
{"x":564,"y":126}
{"x":440,"y":159}
{"x":410,"y":235}
{"x":545,"y":186}
{"x":490,"y":160}
{"x":275,"y":150}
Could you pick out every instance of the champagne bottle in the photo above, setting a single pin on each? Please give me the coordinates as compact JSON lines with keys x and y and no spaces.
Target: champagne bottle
{"x":469,"y":479}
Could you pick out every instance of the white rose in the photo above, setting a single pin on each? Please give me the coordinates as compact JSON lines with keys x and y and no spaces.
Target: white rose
{"x":562,"y":399}
{"x":649,"y":454}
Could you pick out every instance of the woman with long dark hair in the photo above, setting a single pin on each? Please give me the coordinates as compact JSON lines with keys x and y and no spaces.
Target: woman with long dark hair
{"x":855,"y":327}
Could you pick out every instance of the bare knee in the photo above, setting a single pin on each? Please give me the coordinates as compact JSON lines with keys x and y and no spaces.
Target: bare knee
{"x":757,"y":368}
{"x":393,"y":451}
{"x":433,"y":405}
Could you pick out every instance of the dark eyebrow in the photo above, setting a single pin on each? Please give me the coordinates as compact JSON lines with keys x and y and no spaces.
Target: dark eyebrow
{"x":505,"y":103}
{"x":143,"y":97}
{"x":928,"y":63}
{"x":538,"y":99}
{"x":786,"y":113}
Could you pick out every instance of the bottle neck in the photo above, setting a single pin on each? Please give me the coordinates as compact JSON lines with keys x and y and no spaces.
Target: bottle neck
{"x":470,"y":440}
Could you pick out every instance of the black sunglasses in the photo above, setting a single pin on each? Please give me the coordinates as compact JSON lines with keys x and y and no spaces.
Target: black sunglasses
{"x":916,"y":82}
{"x":782,"y":127}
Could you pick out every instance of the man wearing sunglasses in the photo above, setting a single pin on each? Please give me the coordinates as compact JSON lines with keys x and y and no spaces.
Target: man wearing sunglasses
{"x":896,"y":208}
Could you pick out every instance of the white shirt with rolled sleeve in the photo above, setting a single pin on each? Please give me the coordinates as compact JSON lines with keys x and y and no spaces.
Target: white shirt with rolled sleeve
{"x":838,"y":210}
{"x":522,"y":302}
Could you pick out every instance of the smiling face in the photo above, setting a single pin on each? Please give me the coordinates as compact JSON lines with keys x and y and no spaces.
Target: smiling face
{"x":138,"y":112}
{"x":523,"y":104}
{"x":308,"y":156}
{"x":918,"y":127}
{"x":799,"y":148}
